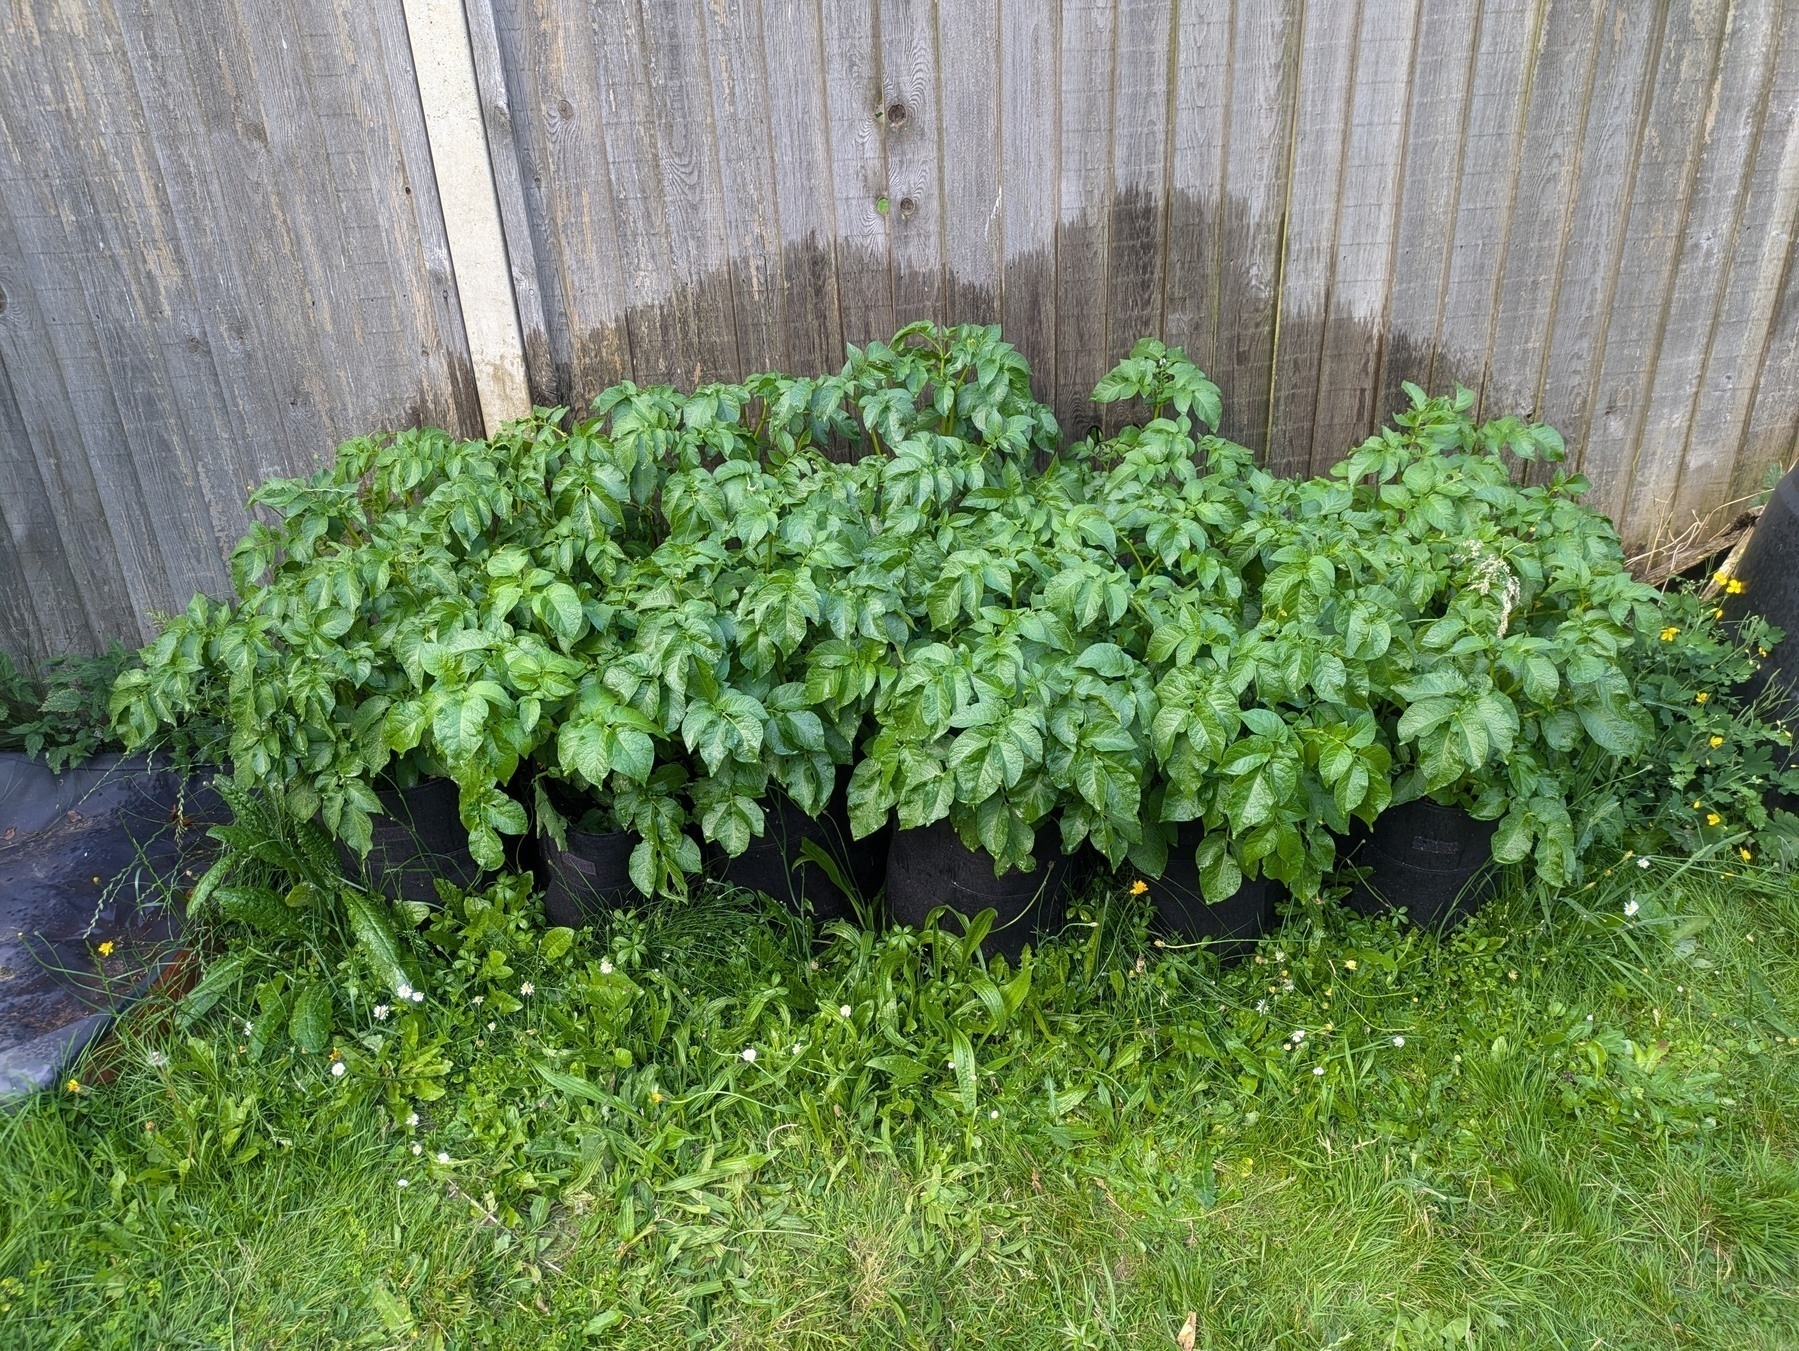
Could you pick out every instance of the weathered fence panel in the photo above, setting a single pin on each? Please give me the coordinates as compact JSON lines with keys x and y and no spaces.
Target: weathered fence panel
{"x":220,"y":253}
{"x":221,"y":248}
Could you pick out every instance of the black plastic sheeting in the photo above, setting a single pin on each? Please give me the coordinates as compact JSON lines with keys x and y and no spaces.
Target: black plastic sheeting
{"x":94,"y":862}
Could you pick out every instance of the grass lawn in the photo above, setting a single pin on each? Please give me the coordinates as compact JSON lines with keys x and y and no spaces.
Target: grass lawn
{"x":1564,"y":1126}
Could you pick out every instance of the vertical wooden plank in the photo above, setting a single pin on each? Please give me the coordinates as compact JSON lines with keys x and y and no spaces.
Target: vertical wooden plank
{"x":751,"y":207}
{"x":1320,"y":139}
{"x":1768,"y":440}
{"x":1749,"y":398}
{"x":1629,"y":40}
{"x":1367,"y":221}
{"x":1660,"y":197}
{"x":42,"y":611}
{"x":1088,"y":36}
{"x":1434,"y":145}
{"x":1563,"y":66}
{"x":1264,"y":75}
{"x":1136,"y":236}
{"x":663,"y":326}
{"x":1030,"y":131}
{"x":444,"y":73}
{"x":687,"y":157}
{"x":102,"y":323}
{"x":555,"y":74}
{"x":1731,"y":125}
{"x":792,"y":49}
{"x":968,"y":40}
{"x":851,"y":75}
{"x":503,"y":139}
{"x":913,"y":123}
{"x":1485,"y":195}
{"x":1202,"y":85}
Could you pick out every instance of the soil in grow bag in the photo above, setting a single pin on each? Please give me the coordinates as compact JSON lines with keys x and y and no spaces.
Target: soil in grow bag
{"x":930,"y":866}
{"x":94,"y":864}
{"x":590,"y":878}
{"x":418,"y":839}
{"x":774,"y":863}
{"x":1429,"y":860}
{"x":1182,"y":912}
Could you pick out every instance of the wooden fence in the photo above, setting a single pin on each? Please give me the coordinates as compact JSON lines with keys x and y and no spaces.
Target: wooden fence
{"x":223,"y":247}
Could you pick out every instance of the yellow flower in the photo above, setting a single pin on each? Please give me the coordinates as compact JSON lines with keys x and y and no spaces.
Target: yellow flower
{"x":105,"y":949}
{"x":1349,"y":965}
{"x":1717,"y":741}
{"x":1695,"y":804}
{"x":1670,"y":633}
{"x":1717,"y":614}
{"x":1701,"y":697}
{"x":1747,"y":856}
{"x":1712,"y":819}
{"x":74,"y":1085}
{"x":1720,"y":577}
{"x":1139,"y":887}
{"x":1734,"y":587}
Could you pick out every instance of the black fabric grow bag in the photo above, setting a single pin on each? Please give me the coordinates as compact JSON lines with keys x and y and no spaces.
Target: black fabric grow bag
{"x":417,"y":840}
{"x":930,"y":866}
{"x":590,"y":878}
{"x":94,"y":863}
{"x":1769,"y":571}
{"x":1429,"y":860}
{"x":1182,"y":912}
{"x":774,"y":863}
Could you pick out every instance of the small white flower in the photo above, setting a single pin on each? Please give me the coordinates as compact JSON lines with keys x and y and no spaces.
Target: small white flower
{"x":993,"y":1115}
{"x":1298,"y":1036}
{"x":527,"y":989}
{"x":249,"y":1027}
{"x":1399,"y":1041}
{"x":400,"y":1183}
{"x":158,"y":1060}
{"x":417,"y":1148}
{"x":749,"y":1054}
{"x":1642,"y":863}
{"x":1630,"y":909}
{"x":1318,"y":1070}
{"x":337,"y":1069}
{"x":417,"y":996}
{"x":478,"y":1000}
{"x":605,"y":967}
{"x":796,"y":1048}
{"x":844,"y":1010}
{"x":412,"y":1118}
{"x":443,"y":1156}
{"x":1280,"y":956}
{"x":404,"y":991}
{"x":492,"y":1026}
{"x":381,"y":1012}
{"x":1261,"y":1006}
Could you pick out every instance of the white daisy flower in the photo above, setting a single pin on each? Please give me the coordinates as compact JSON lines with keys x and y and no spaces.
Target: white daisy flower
{"x":1630,"y":909}
{"x":1399,"y":1041}
{"x":412,"y":1118}
{"x":158,"y":1060}
{"x":605,"y":967}
{"x":749,"y":1054}
{"x":1318,"y":1070}
{"x":417,"y":1148}
{"x":844,"y":1010}
{"x":443,"y":1156}
{"x":400,"y":1182}
{"x":527,"y":989}
{"x":337,"y":1069}
{"x":404,"y":991}
{"x":381,"y":1012}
